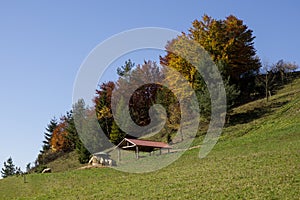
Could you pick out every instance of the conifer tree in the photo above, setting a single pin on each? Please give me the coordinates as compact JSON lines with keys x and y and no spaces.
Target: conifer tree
{"x":48,"y":135}
{"x":9,"y":168}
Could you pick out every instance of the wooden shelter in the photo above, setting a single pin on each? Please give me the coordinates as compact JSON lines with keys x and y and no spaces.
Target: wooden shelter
{"x":138,"y":145}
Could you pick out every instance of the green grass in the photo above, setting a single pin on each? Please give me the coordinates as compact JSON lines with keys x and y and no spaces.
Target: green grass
{"x":67,"y":162}
{"x":256,"y":158}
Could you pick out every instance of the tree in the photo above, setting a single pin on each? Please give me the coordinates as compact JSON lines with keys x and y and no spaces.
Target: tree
{"x":48,"y":135}
{"x":116,"y":135}
{"x":274,"y":75}
{"x":179,"y":63}
{"x":267,"y":79}
{"x":9,"y":168}
{"x":18,"y":171}
{"x":282,"y":69}
{"x":72,"y":135}
{"x":28,"y":167}
{"x":124,"y":71}
{"x":59,"y":140}
{"x":102,"y":103}
{"x":229,"y":41}
{"x":134,"y":96}
{"x":230,"y":44}
{"x":91,"y":136}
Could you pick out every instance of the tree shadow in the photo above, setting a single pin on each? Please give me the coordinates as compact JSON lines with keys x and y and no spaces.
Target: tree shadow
{"x":253,"y":114}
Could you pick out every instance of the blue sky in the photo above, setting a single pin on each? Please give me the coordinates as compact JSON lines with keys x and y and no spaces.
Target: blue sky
{"x":43,"y":43}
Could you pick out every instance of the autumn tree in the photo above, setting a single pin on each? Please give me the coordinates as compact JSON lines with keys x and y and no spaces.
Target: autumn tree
{"x":145,"y":78}
{"x":59,"y":140}
{"x":138,"y":85}
{"x":190,"y":59}
{"x":230,"y":44}
{"x":139,"y":93}
{"x":136,"y":94}
{"x":102,"y":102}
{"x":65,"y":136}
{"x":229,"y":41}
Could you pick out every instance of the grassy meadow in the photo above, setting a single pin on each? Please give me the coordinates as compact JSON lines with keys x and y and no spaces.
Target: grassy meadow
{"x":257,"y":157}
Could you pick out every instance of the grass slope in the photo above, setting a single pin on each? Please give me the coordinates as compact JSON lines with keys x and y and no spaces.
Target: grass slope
{"x":67,"y":162}
{"x":257,"y":157}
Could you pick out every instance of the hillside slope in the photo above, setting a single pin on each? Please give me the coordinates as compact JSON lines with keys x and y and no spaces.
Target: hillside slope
{"x":257,"y":157}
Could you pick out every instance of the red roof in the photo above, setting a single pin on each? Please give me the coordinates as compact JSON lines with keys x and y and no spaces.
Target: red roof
{"x":148,"y":143}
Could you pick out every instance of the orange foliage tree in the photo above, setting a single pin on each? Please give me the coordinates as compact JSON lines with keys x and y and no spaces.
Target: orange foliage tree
{"x":59,"y":140}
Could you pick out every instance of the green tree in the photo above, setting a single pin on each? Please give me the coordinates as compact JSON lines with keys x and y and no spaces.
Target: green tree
{"x":28,"y":167}
{"x":9,"y":168}
{"x":116,"y":135}
{"x":83,"y":154}
{"x":124,"y":71}
{"x":72,"y":135}
{"x":79,"y":116}
{"x":48,"y":135}
{"x":87,"y":125}
{"x":75,"y":141}
{"x":18,"y":171}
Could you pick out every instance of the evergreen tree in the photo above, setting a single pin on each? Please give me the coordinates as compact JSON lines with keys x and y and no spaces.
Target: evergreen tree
{"x":124,"y":71}
{"x":72,"y":135}
{"x":83,"y":154}
{"x":18,"y":171}
{"x":9,"y":168}
{"x":48,"y":135}
{"x":116,"y":135}
{"x":28,"y":167}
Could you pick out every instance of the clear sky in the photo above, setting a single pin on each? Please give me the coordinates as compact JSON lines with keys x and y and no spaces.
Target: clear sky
{"x":43,"y":43}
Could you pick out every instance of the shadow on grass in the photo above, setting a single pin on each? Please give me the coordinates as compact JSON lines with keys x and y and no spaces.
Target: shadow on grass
{"x":253,"y":114}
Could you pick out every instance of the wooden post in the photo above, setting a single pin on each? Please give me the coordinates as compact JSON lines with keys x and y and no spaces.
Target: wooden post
{"x":159,"y":151}
{"x":168,"y":150}
{"x":24,"y":177}
{"x":137,"y":152}
{"x":119,"y":155}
